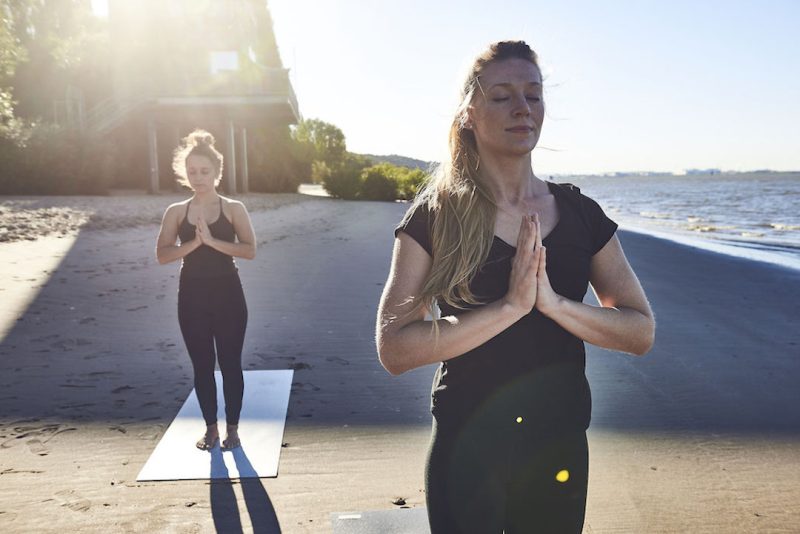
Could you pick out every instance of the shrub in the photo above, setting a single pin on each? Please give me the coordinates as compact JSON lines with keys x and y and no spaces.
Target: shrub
{"x":344,"y":180}
{"x":379,"y":182}
{"x":57,"y":161}
{"x":410,"y":182}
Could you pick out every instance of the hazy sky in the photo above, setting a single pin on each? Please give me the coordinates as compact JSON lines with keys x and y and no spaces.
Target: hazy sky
{"x":629,"y":85}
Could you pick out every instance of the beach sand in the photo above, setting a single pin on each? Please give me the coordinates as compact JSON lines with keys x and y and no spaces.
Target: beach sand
{"x":702,"y":435}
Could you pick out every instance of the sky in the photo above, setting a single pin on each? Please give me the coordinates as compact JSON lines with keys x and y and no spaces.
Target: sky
{"x":629,"y":85}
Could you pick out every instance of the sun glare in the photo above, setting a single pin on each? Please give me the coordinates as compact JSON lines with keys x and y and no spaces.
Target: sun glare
{"x":100,"y":8}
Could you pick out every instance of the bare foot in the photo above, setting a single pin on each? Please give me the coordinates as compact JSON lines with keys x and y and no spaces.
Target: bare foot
{"x":207,"y":442}
{"x":231,"y":440}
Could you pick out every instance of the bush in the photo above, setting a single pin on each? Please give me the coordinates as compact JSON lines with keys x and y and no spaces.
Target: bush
{"x":276,"y":162}
{"x":344,"y":181}
{"x":57,"y":161}
{"x":379,"y":183}
{"x":410,"y":182}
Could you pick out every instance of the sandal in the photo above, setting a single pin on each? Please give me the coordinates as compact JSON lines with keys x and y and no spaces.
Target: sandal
{"x":204,"y":445}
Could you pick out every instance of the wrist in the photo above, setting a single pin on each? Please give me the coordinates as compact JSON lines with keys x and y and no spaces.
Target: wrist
{"x":552,"y":308}
{"x":511,"y":310}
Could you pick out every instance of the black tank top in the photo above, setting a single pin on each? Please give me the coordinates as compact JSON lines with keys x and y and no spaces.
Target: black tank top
{"x":204,"y":261}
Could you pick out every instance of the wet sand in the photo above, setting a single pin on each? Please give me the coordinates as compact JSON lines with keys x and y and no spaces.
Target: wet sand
{"x":702,"y":435}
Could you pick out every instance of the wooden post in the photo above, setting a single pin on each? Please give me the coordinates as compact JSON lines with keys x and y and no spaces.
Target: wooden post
{"x":152,"y":146}
{"x":243,"y":162}
{"x":176,"y":141}
{"x":230,"y":160}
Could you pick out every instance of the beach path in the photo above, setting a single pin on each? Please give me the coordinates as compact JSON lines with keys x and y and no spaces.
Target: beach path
{"x":702,"y":435}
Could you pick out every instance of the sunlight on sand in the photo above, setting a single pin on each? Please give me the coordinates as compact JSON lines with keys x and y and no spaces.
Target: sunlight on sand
{"x":25,"y":269}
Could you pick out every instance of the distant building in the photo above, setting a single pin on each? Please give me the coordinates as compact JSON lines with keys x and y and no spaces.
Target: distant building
{"x":183,"y":64}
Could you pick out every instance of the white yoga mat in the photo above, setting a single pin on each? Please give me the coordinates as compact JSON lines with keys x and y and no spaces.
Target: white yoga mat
{"x":396,"y":521}
{"x":261,"y":425}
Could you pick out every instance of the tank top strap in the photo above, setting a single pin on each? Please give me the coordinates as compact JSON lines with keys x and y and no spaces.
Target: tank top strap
{"x":185,"y":215}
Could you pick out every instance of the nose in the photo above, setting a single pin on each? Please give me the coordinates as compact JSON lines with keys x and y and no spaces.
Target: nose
{"x":522,"y":107}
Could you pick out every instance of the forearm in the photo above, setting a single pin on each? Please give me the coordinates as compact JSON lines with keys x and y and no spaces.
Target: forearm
{"x":623,"y":329}
{"x":417,"y":344}
{"x":170,"y":253}
{"x":238,"y":250}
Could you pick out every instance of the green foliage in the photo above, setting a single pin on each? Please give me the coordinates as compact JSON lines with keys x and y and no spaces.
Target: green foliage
{"x":276,"y":162}
{"x":320,"y":172}
{"x":356,"y":179}
{"x":344,"y":180}
{"x":409,"y":182}
{"x":379,"y":182}
{"x":324,"y":141}
{"x":56,"y":161}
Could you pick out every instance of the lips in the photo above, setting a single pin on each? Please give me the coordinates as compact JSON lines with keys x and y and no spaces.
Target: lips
{"x":520,"y":129}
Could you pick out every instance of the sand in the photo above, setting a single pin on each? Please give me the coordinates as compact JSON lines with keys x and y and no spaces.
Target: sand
{"x":702,"y":435}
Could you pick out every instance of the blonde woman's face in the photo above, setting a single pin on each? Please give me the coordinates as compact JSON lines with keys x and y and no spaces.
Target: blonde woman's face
{"x":201,"y":173}
{"x":507,"y":109}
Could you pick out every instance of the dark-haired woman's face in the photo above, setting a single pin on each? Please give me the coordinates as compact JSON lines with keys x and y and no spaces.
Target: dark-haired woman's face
{"x":507,"y":109}
{"x":201,"y":173}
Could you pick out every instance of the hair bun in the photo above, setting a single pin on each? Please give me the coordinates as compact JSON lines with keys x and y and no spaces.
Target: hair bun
{"x":199,"y":138}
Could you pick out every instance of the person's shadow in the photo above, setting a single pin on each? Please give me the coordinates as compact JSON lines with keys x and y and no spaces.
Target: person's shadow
{"x":224,"y":508}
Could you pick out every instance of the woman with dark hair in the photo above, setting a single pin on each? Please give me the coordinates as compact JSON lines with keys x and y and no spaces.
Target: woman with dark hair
{"x":211,"y":307}
{"x":505,"y":258}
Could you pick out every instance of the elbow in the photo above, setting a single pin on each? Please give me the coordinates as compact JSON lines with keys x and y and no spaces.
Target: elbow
{"x":391,"y":363}
{"x":390,"y":359}
{"x":646,"y":341}
{"x":250,"y":253}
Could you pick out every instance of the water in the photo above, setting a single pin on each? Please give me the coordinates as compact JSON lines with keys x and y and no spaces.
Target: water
{"x":753,"y":215}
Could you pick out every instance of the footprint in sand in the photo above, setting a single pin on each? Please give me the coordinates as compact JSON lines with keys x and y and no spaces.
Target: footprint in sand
{"x":73,"y":501}
{"x":37,"y":447}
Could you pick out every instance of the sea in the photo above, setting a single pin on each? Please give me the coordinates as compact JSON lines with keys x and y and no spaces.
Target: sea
{"x":754,"y":215}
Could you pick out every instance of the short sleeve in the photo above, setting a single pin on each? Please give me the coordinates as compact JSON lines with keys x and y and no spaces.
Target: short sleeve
{"x":602,"y":228}
{"x":418,"y":225}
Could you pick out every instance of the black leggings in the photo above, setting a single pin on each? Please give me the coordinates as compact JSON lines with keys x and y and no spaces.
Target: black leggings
{"x":500,"y":476}
{"x":213,"y":311}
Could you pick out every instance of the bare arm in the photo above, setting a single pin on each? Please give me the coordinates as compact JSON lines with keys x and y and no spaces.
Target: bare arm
{"x":166,"y":249}
{"x":245,"y":247}
{"x":624,"y":320}
{"x":406,"y":342}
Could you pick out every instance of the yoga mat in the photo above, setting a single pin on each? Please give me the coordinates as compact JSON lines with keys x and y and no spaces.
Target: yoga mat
{"x":261,"y":425}
{"x":397,"y":521}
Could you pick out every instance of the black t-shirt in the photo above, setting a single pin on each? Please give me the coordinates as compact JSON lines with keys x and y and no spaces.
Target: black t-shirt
{"x":534,"y":369}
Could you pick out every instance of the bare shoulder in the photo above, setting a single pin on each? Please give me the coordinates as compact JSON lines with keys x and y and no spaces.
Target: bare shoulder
{"x":234,"y":208}
{"x":176,"y":209}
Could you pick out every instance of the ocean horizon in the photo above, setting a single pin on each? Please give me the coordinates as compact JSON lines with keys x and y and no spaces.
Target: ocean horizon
{"x":753,"y":215}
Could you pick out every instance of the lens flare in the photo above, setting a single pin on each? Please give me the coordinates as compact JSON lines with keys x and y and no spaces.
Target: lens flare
{"x":562,"y":476}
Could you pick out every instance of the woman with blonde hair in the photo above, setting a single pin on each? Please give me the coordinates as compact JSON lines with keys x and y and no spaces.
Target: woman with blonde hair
{"x":212,"y":312}
{"x":507,"y":259}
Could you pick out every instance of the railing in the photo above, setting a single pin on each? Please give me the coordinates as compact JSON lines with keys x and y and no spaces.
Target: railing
{"x":110,"y":112}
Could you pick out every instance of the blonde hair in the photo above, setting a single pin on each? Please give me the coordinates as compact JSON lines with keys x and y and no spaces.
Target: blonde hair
{"x":462,"y":205}
{"x":197,"y":143}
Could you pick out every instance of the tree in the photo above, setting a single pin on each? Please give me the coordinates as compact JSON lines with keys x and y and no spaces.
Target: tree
{"x":325,"y":141}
